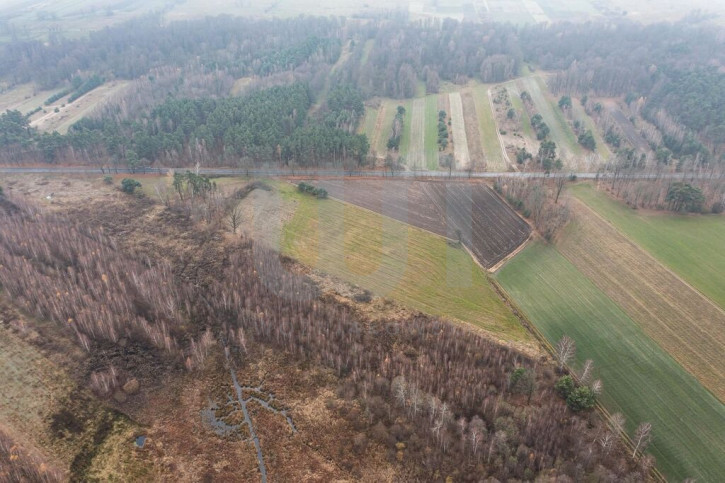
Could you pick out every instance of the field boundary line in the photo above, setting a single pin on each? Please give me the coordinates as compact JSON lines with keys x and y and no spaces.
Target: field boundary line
{"x":649,"y":255}
{"x":526,"y":322}
{"x":515,"y":252}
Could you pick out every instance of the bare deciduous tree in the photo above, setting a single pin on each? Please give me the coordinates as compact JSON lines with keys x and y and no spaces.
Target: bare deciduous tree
{"x":400,"y":390}
{"x":234,"y":219}
{"x":476,"y":433}
{"x":597,"y":387}
{"x":617,"y":421}
{"x":586,"y":374}
{"x":642,"y":437}
{"x":606,"y":441}
{"x":560,"y":182}
{"x":565,"y":350}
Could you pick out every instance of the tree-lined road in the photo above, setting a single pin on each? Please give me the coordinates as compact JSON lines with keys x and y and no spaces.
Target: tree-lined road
{"x":342,"y":173}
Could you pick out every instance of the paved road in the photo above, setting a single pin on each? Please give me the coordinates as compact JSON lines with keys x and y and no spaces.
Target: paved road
{"x":340,"y":173}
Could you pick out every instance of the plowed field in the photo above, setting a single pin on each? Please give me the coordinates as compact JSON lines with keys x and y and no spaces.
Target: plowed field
{"x":487,"y":226}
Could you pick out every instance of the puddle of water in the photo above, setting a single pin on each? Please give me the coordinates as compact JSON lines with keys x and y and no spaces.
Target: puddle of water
{"x":140,"y":441}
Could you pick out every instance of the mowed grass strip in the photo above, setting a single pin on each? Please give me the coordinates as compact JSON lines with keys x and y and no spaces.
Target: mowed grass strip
{"x":416,"y":151}
{"x":581,"y":114}
{"x":405,"y":138}
{"x":383,"y":127}
{"x":640,"y":379}
{"x":545,"y":104}
{"x":367,"y":126}
{"x":395,"y":260}
{"x":690,"y":245}
{"x":681,"y":320}
{"x":366,"y":52}
{"x":518,"y":105}
{"x":431,"y":132}
{"x":487,"y":127}
{"x":458,"y":131}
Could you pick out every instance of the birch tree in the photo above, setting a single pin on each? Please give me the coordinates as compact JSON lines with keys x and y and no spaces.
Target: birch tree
{"x":642,"y":438}
{"x":565,"y":350}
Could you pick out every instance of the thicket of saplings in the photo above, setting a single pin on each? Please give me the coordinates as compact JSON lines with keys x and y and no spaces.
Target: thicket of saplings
{"x":441,"y":398}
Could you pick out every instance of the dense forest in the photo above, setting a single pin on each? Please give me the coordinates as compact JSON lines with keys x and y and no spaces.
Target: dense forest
{"x":269,"y":125}
{"x":670,"y":73}
{"x":243,"y":46}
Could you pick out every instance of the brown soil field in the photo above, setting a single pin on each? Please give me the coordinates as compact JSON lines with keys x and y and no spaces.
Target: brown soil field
{"x":475,"y":149}
{"x":488,"y":227}
{"x":679,"y":318}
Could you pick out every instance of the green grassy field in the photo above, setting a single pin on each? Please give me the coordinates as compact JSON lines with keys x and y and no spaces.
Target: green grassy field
{"x":397,"y":261}
{"x":640,"y":380}
{"x":367,"y":126}
{"x":487,"y":128}
{"x":366,"y":51}
{"x":691,"y":246}
{"x":431,"y":132}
